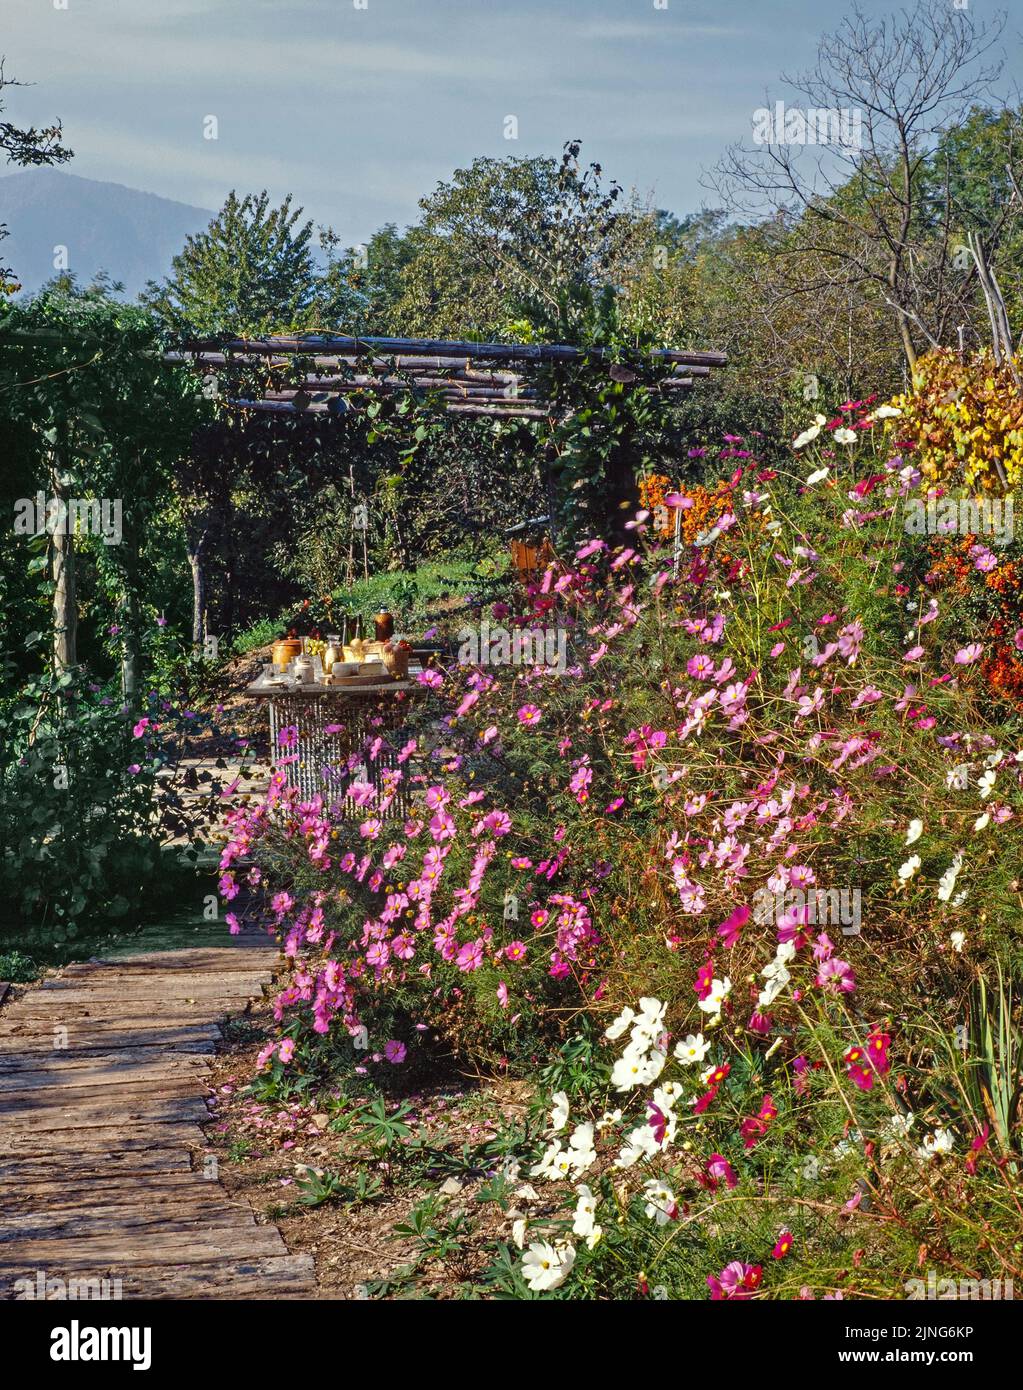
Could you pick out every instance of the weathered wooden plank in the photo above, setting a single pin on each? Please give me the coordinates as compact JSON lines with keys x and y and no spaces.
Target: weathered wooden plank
{"x":86,"y":1094}
{"x":47,"y":1073}
{"x":126,"y":1058}
{"x":50,"y":1009}
{"x":131,"y":1248}
{"x":47,"y":1190}
{"x":97,"y":1116}
{"x":276,"y":1276}
{"x":84,"y":1167}
{"x":195,"y":1037}
{"x":171,"y":987}
{"x":137,"y":1221}
{"x":97,"y":1137}
{"x":237,"y":953}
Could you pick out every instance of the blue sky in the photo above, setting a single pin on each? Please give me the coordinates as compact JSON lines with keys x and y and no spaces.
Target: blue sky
{"x":360,"y":111}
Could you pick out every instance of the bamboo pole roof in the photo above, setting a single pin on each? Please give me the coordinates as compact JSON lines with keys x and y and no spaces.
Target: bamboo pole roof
{"x":317,"y":374}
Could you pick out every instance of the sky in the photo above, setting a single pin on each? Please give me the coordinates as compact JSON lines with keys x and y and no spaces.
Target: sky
{"x":360,"y":107}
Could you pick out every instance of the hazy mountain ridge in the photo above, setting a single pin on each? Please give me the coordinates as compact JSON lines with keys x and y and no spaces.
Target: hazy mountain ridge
{"x":105,"y":226}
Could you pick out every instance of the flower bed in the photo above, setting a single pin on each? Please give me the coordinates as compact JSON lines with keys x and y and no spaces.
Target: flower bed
{"x":754,"y":822}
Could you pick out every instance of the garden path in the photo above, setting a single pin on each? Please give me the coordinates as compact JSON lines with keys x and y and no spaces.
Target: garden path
{"x":104,"y":1070}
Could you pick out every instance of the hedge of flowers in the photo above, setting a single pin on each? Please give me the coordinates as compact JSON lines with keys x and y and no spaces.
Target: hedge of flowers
{"x":749,"y":852}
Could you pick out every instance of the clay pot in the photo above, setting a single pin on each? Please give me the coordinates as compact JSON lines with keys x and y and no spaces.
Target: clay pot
{"x":285,"y":650}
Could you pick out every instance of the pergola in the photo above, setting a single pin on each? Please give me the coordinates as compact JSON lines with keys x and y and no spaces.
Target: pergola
{"x":470,"y":378}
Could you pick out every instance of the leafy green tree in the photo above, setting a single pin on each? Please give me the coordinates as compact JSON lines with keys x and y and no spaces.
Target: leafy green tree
{"x":92,"y":413}
{"x":519,"y":240}
{"x":251,"y":271}
{"x":362,"y":287}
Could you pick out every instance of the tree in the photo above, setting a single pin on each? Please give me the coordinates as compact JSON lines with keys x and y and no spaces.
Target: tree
{"x":90,"y":411}
{"x":869,"y":213}
{"x":26,"y":147}
{"x":251,"y":271}
{"x":509,"y":242}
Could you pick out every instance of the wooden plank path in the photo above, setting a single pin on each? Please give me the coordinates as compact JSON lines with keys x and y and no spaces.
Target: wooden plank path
{"x":104,"y":1072}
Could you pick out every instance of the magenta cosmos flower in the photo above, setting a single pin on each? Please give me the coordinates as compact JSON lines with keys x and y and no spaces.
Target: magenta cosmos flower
{"x":529,"y":714}
{"x":737,"y":1280}
{"x":837,"y":976}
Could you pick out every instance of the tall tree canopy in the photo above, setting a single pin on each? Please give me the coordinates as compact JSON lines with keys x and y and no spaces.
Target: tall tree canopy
{"x":251,"y":271}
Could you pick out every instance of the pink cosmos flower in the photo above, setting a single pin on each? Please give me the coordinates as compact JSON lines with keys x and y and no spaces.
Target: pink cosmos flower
{"x":975,"y":1148}
{"x":732,"y":925}
{"x":470,"y":956}
{"x":736,"y":1281}
{"x":395,"y":1052}
{"x":782,"y":1246}
{"x":286,"y":1050}
{"x":717,"y":1170}
{"x":140,"y":728}
{"x":836,"y":976}
{"x":378,"y":954}
{"x":966,"y":656}
{"x":529,"y":714}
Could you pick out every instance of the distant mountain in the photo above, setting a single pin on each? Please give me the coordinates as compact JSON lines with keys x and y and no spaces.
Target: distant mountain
{"x":105,"y":226}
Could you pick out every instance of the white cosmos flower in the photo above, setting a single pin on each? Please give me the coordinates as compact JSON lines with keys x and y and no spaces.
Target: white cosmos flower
{"x":886,"y":412}
{"x":940,"y":1142}
{"x":900,"y":1125}
{"x":519,"y":1232}
{"x":581,"y":1153}
{"x":982,"y":822}
{"x":911,"y":866}
{"x":985,"y":783}
{"x":692,"y":1049}
{"x":916,"y":829}
{"x":640,"y":1143}
{"x":559,"y":1112}
{"x":660,"y":1202}
{"x":958,"y":777}
{"x":719,"y":992}
{"x":584,"y":1224}
{"x":818,"y":477}
{"x":807,"y":435}
{"x":958,"y":940}
{"x":844,"y":436}
{"x":634,"y":1069}
{"x":545,"y":1266}
{"x":620,"y":1024}
{"x":947,"y":882}
{"x":555,"y":1163}
{"x":667,"y":1095}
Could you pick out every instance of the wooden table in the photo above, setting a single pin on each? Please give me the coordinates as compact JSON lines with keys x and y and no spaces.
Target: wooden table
{"x":318,"y":761}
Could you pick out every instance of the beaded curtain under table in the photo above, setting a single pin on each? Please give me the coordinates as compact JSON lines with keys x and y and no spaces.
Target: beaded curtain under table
{"x":318,"y":760}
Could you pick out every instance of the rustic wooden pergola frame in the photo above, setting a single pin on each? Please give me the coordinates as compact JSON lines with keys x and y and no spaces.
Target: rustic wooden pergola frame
{"x":471,"y":378}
